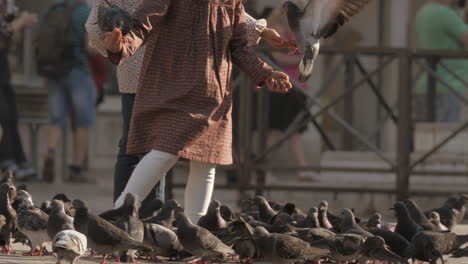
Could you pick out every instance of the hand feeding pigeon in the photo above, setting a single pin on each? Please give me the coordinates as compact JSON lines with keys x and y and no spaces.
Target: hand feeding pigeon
{"x":7,"y":194}
{"x":213,"y":221}
{"x":113,"y":17}
{"x":103,"y":237}
{"x":198,"y":241}
{"x":130,"y":222}
{"x":69,"y":244}
{"x":57,"y":218}
{"x":312,"y":20}
{"x":32,"y":222}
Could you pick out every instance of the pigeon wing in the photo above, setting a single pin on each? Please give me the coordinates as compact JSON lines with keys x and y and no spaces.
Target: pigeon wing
{"x":32,"y":220}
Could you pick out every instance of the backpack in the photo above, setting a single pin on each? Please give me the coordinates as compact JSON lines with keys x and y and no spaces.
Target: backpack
{"x":55,"y":49}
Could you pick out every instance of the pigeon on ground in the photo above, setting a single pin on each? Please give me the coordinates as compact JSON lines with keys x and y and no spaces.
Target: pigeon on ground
{"x":163,"y":241}
{"x":150,"y":209}
{"x":311,"y":221}
{"x":198,"y":241}
{"x":453,"y":211}
{"x":67,"y":203}
{"x":130,"y":221}
{"x":310,"y":21}
{"x":434,"y":217}
{"x":113,"y":214}
{"x":8,"y":178}
{"x":323,"y":215}
{"x":213,"y":221}
{"x":45,"y":207}
{"x":406,"y":226}
{"x":265,"y":212}
{"x":375,"y":221}
{"x":113,"y":17}
{"x":57,"y":218}
{"x":166,"y":215}
{"x":103,"y":237}
{"x":349,"y":225}
{"x":419,"y":217}
{"x":280,"y":248}
{"x":227,"y":213}
{"x":244,"y":245}
{"x":430,"y":246}
{"x":7,"y":194}
{"x":351,"y":247}
{"x":397,"y":243}
{"x":312,"y":234}
{"x":69,"y":244}
{"x":32,"y":222}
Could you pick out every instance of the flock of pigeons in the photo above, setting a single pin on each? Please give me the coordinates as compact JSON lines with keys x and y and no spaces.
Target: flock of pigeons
{"x":261,"y":230}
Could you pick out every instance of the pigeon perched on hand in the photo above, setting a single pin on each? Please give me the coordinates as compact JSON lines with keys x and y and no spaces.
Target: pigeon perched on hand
{"x":69,"y":244}
{"x":113,"y":17}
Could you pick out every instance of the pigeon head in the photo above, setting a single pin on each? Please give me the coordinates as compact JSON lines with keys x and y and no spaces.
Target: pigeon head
{"x":215,"y":206}
{"x":112,"y":17}
{"x":57,"y":206}
{"x":181,"y":219}
{"x":22,"y":195}
{"x":323,"y":206}
{"x":172,"y":204}
{"x":61,"y":197}
{"x":376,"y":248}
{"x":26,"y":201}
{"x":434,"y":216}
{"x":400,"y":210}
{"x":46,"y":206}
{"x":80,"y":207}
{"x":289,"y":208}
{"x":313,"y":212}
{"x":346,"y":215}
{"x":375,"y":220}
{"x":226,"y":212}
{"x":132,"y":204}
{"x":8,"y":190}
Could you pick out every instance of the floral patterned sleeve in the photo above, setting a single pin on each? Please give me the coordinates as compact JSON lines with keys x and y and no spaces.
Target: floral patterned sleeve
{"x":254,"y":29}
{"x":6,"y":32}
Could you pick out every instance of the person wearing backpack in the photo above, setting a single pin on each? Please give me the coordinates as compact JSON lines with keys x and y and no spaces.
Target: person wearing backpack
{"x":12,"y":157}
{"x":62,"y":59}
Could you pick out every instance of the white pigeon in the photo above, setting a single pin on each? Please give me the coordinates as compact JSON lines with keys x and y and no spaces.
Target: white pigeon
{"x":69,"y":244}
{"x":312,"y":20}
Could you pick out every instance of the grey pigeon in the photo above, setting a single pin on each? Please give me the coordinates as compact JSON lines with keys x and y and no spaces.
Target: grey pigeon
{"x":265,"y":212}
{"x":349,"y":225}
{"x":430,"y":246}
{"x":280,"y":248}
{"x":130,"y":221}
{"x":406,"y":226}
{"x":7,"y":194}
{"x":166,"y":215}
{"x":163,"y":241}
{"x":45,"y":207}
{"x":434,"y":217}
{"x":311,"y":21}
{"x":419,"y":217}
{"x":32,"y":222}
{"x":57,"y":218}
{"x":244,"y":245}
{"x":112,"y":17}
{"x":323,"y":215}
{"x":453,"y":211}
{"x":103,"y":237}
{"x":227,"y":213}
{"x":351,"y":247}
{"x":313,"y":234}
{"x":375,"y":221}
{"x":69,"y":244}
{"x":198,"y":241}
{"x":113,"y":214}
{"x":213,"y":221}
{"x":151,"y":208}
{"x":67,"y":203}
{"x":397,"y":243}
{"x":311,"y":220}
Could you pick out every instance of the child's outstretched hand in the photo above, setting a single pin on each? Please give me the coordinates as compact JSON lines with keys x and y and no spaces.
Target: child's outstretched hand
{"x":279,"y":82}
{"x":113,"y":41}
{"x":273,"y":38}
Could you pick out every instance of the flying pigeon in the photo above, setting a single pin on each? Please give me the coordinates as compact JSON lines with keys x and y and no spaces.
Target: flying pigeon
{"x":57,"y":218}
{"x":198,"y":241}
{"x":112,"y":17}
{"x":32,"y":222}
{"x":103,"y":237}
{"x":312,"y":20}
{"x":69,"y":244}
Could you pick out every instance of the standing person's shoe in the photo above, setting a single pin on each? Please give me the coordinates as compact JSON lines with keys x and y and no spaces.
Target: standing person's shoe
{"x":77,"y":174}
{"x":48,"y":172}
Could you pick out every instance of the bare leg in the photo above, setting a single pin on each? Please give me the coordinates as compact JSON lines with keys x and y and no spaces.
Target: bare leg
{"x":81,"y":143}
{"x":53,"y":137}
{"x":296,"y":147}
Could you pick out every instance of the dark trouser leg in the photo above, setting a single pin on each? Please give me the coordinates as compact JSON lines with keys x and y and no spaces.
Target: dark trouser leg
{"x":10,"y":146}
{"x":126,"y":163}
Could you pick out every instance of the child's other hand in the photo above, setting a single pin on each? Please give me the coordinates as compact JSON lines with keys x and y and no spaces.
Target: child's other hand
{"x":279,"y":82}
{"x":113,"y":41}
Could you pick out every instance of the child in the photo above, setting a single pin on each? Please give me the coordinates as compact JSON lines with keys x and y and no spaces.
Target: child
{"x":183,"y":104}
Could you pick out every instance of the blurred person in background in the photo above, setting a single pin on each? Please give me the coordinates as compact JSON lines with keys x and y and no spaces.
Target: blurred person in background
{"x":74,"y":93}
{"x":285,"y":107}
{"x":438,"y":27}
{"x":12,"y":156}
{"x":129,"y":71}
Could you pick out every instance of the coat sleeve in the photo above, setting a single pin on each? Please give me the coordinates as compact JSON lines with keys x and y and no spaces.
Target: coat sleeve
{"x":254,"y":29}
{"x":149,"y":14}
{"x":95,"y":34}
{"x":242,"y":55}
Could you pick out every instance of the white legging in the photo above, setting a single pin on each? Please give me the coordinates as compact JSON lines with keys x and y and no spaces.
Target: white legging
{"x":156,"y":164}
